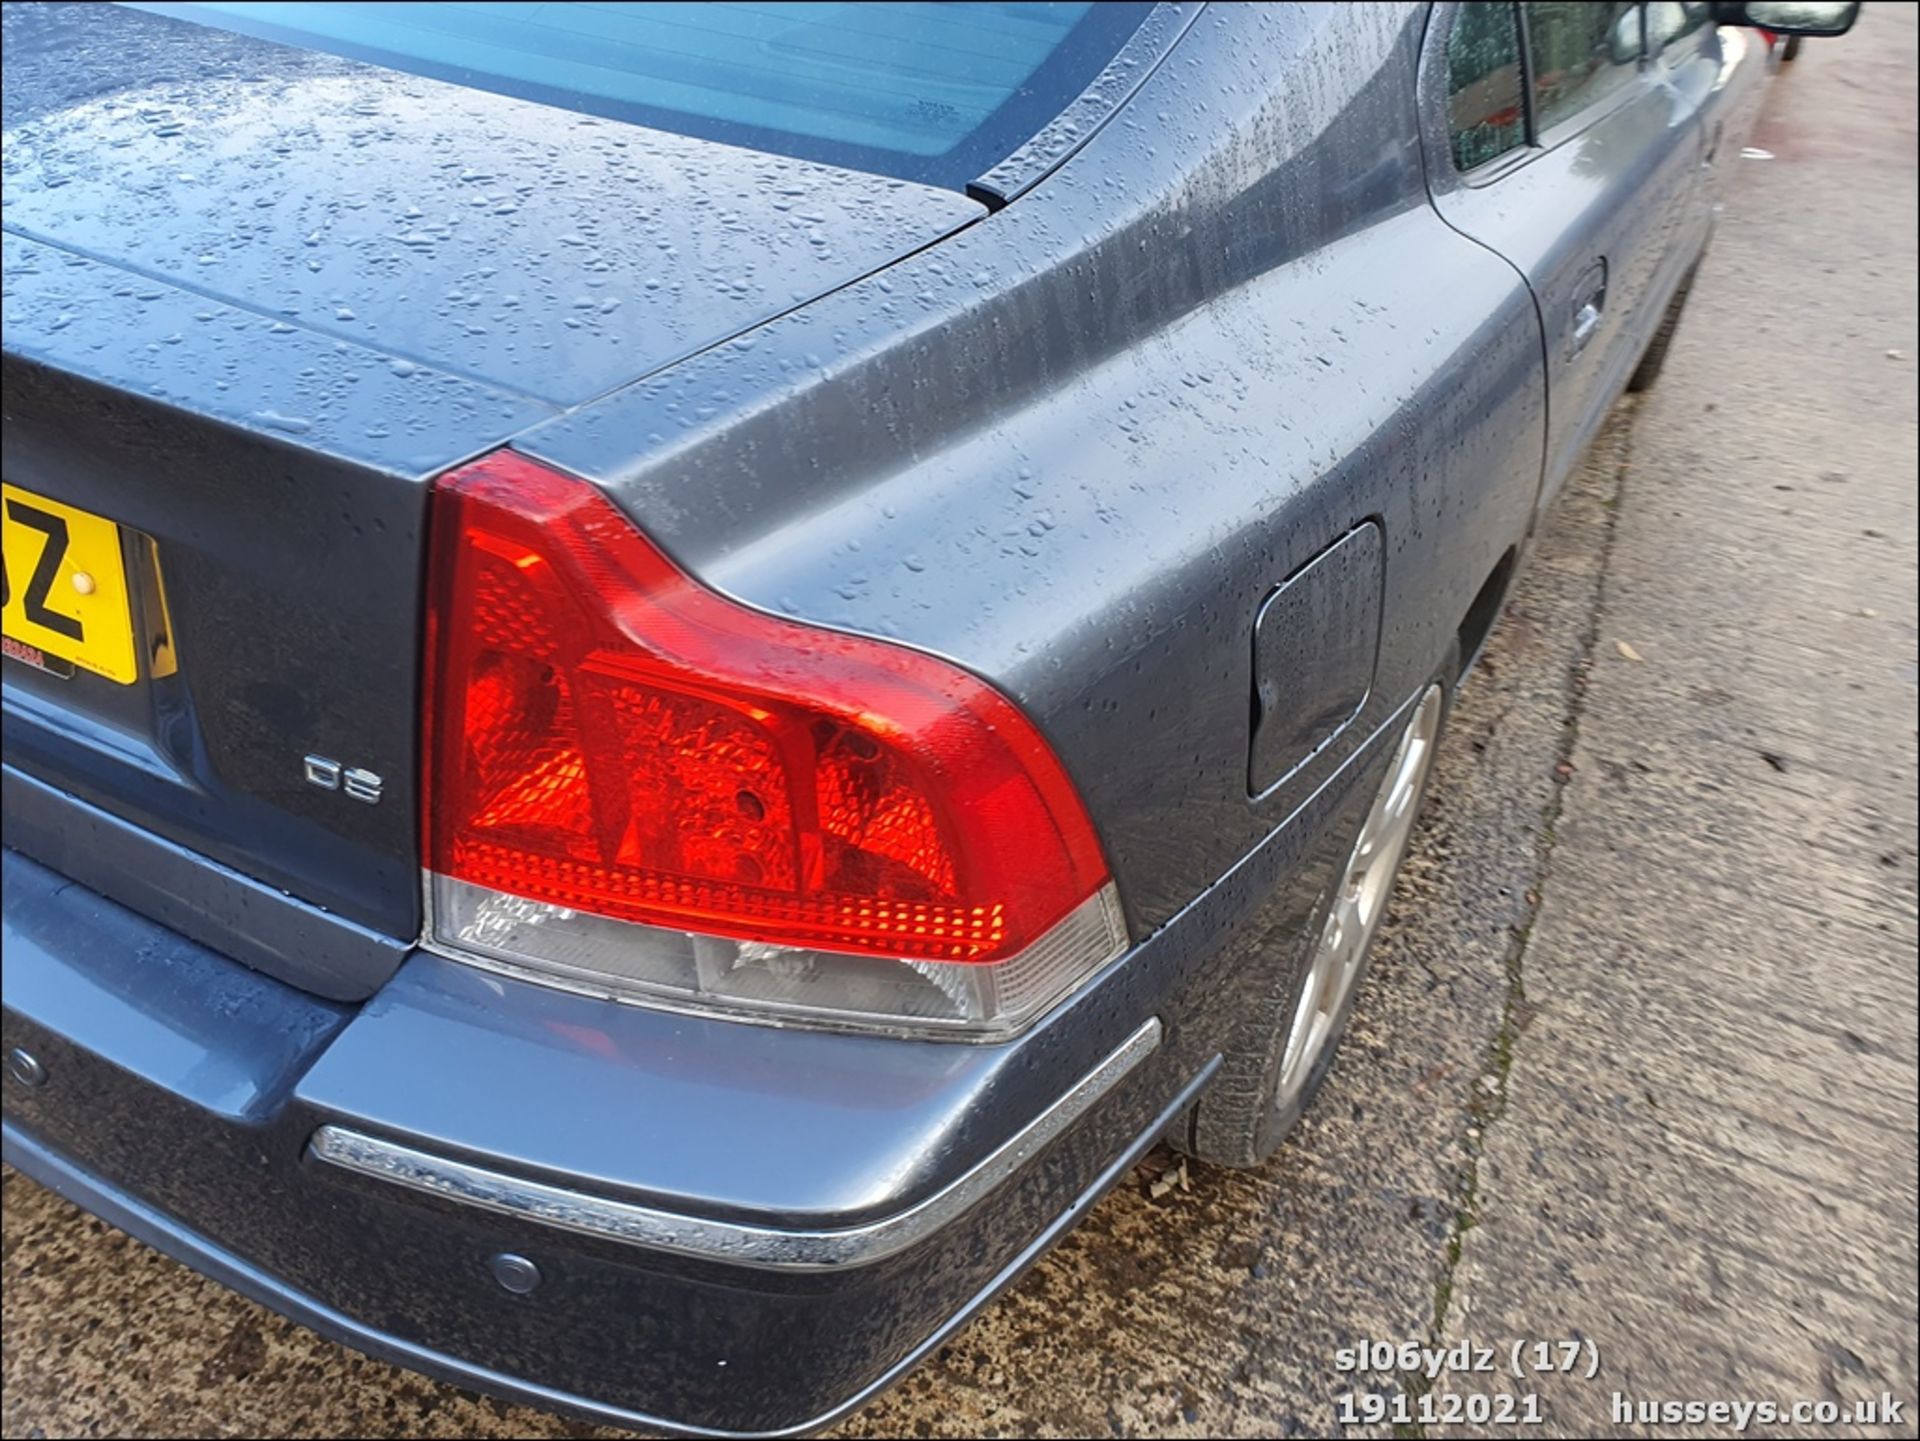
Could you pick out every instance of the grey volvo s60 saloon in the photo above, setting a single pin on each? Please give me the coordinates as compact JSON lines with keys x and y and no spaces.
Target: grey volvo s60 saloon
{"x":675,"y":673}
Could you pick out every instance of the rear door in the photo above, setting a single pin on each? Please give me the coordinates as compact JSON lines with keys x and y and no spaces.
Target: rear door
{"x":1555,"y":141}
{"x":1717,"y":72}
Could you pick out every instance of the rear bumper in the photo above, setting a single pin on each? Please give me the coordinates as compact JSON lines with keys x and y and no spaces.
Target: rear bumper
{"x":164,"y":1233}
{"x":765,"y":1282}
{"x":739,"y":1230}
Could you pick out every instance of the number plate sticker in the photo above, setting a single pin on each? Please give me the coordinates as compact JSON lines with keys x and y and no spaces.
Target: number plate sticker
{"x":65,"y":588}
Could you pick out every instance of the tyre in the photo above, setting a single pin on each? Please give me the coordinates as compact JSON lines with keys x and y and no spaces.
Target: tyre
{"x":1654,"y":357}
{"x":1284,"y":1044}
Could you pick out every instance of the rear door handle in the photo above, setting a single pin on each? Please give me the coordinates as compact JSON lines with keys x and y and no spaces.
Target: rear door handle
{"x":1586,"y":320}
{"x":1590,"y":299}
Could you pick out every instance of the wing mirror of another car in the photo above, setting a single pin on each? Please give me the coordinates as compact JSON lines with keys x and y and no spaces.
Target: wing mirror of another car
{"x":1790,"y":17}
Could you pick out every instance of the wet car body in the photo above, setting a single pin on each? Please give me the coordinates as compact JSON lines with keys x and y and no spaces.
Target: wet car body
{"x":1074,"y":428}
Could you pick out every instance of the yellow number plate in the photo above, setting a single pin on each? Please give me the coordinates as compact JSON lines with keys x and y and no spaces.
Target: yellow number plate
{"x":65,"y":588}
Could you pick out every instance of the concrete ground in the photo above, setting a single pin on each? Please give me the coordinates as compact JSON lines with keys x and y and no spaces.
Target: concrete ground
{"x":1636,"y":1064}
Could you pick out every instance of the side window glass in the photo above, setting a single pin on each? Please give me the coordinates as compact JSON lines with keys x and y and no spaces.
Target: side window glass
{"x":1579,"y":53}
{"x":1486,"y":109}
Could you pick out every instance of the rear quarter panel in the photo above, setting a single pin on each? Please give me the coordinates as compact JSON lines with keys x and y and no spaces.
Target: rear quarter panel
{"x":1075,"y":447}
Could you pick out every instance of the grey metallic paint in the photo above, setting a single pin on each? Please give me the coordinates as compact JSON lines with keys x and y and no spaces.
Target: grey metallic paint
{"x":1109,"y":90}
{"x":787,"y":1248}
{"x":258,"y":364}
{"x":544,"y":254}
{"x":1073,"y":444}
{"x":1024,"y":433}
{"x":1614,"y":188}
{"x":196,"y":895}
{"x":1315,"y":643}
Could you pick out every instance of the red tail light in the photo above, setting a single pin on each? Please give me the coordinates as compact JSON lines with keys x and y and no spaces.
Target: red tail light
{"x":607,"y":737}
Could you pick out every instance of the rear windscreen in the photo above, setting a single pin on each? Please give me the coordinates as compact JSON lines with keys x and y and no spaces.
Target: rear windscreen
{"x":937,"y":93}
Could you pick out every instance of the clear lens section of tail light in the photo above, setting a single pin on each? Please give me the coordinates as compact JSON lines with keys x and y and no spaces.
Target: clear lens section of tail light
{"x":684,"y":970}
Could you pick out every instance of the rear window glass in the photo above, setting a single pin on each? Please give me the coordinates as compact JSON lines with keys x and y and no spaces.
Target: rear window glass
{"x":938,"y":93}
